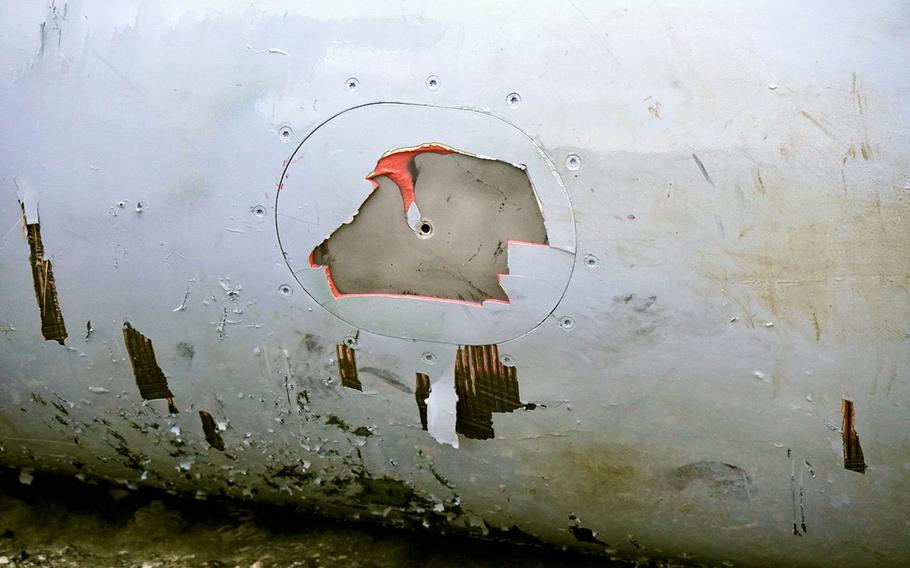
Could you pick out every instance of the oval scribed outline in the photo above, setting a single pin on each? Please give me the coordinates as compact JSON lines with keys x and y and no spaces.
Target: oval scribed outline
{"x":546,"y":161}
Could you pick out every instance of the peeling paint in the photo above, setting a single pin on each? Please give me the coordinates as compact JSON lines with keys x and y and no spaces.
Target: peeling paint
{"x":347,"y":367}
{"x":53,"y":328}
{"x":853,"y":452}
{"x":149,"y":377}
{"x":484,"y":386}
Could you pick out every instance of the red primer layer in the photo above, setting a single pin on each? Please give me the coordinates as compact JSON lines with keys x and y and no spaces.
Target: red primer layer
{"x":395,"y":166}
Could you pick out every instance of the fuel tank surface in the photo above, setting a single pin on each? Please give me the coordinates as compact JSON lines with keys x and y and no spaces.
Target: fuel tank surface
{"x":626,"y":278}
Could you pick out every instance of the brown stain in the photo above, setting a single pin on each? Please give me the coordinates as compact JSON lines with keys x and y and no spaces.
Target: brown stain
{"x":149,"y":377}
{"x":421,"y":392}
{"x":853,"y":452}
{"x":820,"y":264}
{"x":211,"y":431}
{"x":53,"y":328}
{"x":484,"y":386}
{"x":347,"y":367}
{"x":597,"y":468}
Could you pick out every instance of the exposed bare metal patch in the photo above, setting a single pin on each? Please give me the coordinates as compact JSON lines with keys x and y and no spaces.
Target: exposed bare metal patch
{"x":347,"y":367}
{"x":484,"y":386}
{"x":149,"y":378}
{"x":437,"y":225}
{"x":853,"y":452}
{"x":421,"y":392}
{"x":53,"y":327}
{"x":211,"y":431}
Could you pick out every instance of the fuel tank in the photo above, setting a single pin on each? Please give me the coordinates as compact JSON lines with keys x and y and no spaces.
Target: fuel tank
{"x":629,"y":278}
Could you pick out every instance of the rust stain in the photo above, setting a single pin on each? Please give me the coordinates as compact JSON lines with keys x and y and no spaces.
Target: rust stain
{"x":211,"y":431}
{"x":421,"y":392}
{"x":53,"y":328}
{"x":853,"y":452}
{"x":347,"y":367}
{"x":484,"y":386}
{"x":149,"y":378}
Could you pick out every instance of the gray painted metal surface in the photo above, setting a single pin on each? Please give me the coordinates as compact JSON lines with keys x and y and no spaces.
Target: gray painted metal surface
{"x":736,"y":189}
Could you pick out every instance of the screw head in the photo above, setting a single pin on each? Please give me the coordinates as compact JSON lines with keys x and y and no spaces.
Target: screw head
{"x":507,"y":360}
{"x":567,"y":323}
{"x":591,"y":261}
{"x":285,"y":133}
{"x":573,"y":162}
{"x":513,"y":100}
{"x":432,"y":82}
{"x":285,"y":290}
{"x":351,"y":341}
{"x":429,"y":358}
{"x":351,"y":83}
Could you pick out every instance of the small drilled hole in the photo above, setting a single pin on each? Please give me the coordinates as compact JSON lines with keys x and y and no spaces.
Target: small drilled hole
{"x":425,"y":229}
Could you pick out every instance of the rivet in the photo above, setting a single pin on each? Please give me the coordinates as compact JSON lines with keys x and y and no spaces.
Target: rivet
{"x":567,"y":323}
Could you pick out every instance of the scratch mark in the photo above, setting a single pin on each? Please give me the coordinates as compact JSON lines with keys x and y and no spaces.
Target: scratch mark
{"x":149,"y":378}
{"x":182,"y":305}
{"x":759,"y":182}
{"x":853,"y":452}
{"x":388,"y":377}
{"x":793,"y":494}
{"x":818,"y":124}
{"x":704,"y":171}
